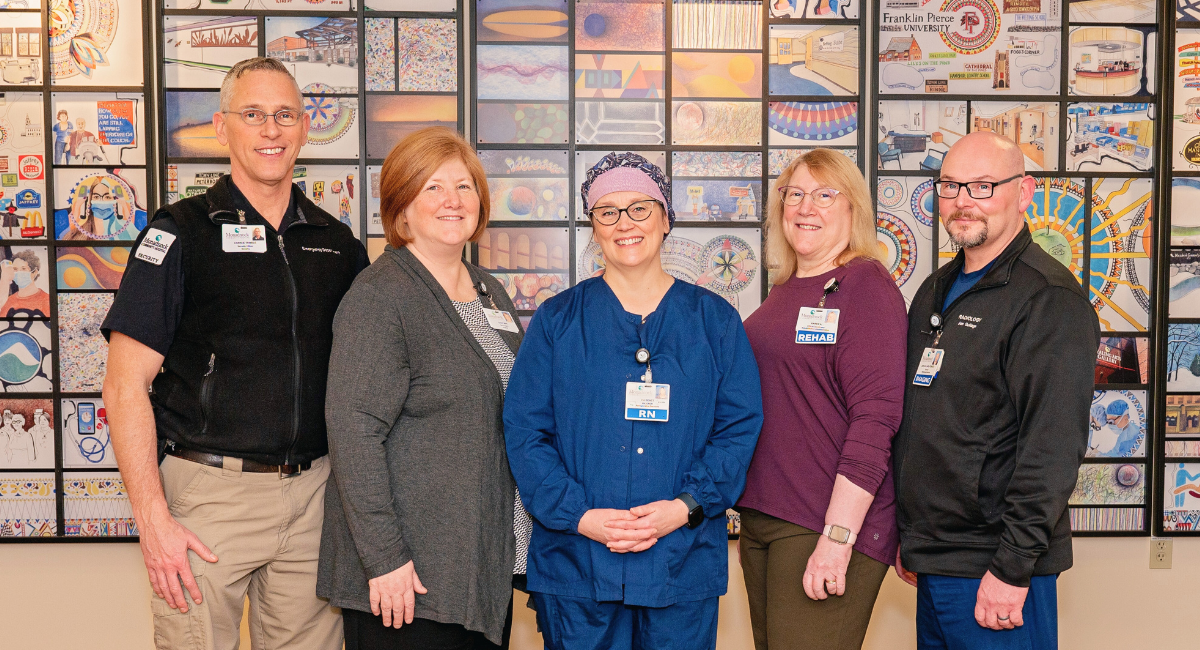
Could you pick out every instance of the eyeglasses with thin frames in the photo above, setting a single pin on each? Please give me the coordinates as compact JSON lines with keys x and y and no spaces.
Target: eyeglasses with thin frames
{"x":258,"y":117}
{"x":610,"y":214}
{"x":975,"y":189}
{"x":822,"y":197}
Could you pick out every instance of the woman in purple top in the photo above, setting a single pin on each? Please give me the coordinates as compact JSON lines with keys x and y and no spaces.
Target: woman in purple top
{"x":819,"y":510}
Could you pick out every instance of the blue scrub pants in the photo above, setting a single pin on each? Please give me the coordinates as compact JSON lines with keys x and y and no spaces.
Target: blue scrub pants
{"x":585,"y":624}
{"x":946,"y":616}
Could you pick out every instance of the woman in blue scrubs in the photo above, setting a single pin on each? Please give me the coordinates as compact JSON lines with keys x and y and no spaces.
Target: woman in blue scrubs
{"x":631,"y":417}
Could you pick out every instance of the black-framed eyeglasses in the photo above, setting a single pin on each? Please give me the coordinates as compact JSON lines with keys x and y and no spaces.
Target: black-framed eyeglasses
{"x":258,"y":117}
{"x":975,"y":189}
{"x":608,"y":215}
{"x":822,"y":197}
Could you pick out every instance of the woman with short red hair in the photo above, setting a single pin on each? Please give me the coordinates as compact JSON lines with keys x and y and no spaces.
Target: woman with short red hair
{"x":419,"y":547}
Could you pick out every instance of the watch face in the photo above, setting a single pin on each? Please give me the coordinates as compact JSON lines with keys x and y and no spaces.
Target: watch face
{"x":839,"y":534}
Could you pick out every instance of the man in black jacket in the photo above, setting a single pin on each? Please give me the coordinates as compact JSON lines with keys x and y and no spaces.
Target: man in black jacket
{"x":220,"y":343}
{"x":1001,"y":350}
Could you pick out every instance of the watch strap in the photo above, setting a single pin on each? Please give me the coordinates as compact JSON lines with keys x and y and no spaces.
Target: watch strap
{"x":849,"y":536}
{"x":695,"y":510}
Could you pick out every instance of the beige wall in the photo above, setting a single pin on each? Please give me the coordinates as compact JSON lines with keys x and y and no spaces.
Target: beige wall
{"x":94,"y":596}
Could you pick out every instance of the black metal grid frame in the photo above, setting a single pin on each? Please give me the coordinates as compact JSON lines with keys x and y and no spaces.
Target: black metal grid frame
{"x":360,"y":13}
{"x":1163,"y":183}
{"x":574,"y":222}
{"x":1151,"y":505}
{"x":48,"y":89}
{"x":154,"y":96}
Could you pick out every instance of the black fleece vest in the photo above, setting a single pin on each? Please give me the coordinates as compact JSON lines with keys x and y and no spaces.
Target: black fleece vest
{"x":245,"y":374}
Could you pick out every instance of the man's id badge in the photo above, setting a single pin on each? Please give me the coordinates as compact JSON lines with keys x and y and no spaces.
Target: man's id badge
{"x":237,"y":238}
{"x":154,"y":246}
{"x":650,"y":402}
{"x":927,"y":370}
{"x":817,"y":325}
{"x":500,"y":320}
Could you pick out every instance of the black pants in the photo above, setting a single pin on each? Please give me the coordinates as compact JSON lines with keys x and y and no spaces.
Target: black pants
{"x":365,"y":631}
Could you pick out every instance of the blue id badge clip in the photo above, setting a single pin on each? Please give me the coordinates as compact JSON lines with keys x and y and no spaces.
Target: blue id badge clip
{"x":646,"y":400}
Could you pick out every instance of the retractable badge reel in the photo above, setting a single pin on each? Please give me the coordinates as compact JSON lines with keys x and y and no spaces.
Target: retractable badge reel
{"x":818,"y":325}
{"x":646,"y":400}
{"x":932,"y":357}
{"x":497,"y":318}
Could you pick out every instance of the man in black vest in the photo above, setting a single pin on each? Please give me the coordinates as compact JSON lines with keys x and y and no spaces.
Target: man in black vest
{"x":219,"y":346}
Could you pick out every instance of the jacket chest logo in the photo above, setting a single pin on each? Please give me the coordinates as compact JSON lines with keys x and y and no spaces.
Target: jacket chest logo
{"x":969,"y":321}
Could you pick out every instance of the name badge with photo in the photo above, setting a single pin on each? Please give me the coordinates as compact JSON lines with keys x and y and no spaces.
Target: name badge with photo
{"x":817,"y":325}
{"x":649,"y":402}
{"x":500,"y":319}
{"x":931,"y":363}
{"x":243,"y":239}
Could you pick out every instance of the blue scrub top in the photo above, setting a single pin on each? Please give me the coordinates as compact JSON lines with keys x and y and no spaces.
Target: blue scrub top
{"x":571,"y":448}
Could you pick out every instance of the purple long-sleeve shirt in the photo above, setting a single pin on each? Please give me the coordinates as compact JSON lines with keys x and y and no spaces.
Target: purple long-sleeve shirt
{"x":830,"y":409}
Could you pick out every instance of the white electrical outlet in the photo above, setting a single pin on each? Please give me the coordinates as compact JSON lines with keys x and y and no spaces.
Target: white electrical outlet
{"x":1160,"y":553}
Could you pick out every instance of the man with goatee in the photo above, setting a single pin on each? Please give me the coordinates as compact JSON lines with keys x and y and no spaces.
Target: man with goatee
{"x":1001,"y":349}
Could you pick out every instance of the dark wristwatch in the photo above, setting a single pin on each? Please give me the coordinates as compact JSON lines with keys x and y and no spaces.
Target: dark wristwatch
{"x":695,"y":510}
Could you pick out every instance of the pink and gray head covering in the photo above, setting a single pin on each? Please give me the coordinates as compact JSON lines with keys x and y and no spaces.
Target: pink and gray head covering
{"x":627,"y":172}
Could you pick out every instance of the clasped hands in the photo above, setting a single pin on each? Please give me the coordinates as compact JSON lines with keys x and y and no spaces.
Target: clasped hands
{"x":636,"y":529}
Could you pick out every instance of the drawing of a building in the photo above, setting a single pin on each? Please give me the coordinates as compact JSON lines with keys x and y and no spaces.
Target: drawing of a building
{"x":1000,"y":71}
{"x":288,"y":48}
{"x":901,"y":48}
{"x":32,"y":129}
{"x":333,"y":41}
{"x":1191,"y":113}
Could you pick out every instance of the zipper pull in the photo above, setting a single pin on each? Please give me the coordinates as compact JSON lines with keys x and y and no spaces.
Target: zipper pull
{"x":279,"y":238}
{"x":212,"y":363}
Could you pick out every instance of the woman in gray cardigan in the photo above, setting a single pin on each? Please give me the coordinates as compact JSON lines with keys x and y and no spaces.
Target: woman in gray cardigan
{"x":419,"y":548}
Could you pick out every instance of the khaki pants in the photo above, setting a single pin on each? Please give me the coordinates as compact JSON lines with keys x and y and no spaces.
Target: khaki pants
{"x":774,"y":556}
{"x":266,"y":533}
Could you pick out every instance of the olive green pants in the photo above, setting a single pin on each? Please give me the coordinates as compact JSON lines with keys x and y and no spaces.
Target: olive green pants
{"x":774,"y":554}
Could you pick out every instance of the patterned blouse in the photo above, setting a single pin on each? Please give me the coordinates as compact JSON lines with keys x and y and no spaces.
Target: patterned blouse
{"x":496,"y":349}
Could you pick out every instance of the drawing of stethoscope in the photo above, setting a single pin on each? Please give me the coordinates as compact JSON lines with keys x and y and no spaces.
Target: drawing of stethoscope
{"x":88,"y":428}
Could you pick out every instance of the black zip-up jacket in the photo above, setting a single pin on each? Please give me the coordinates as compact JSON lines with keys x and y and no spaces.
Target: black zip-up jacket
{"x":245,"y":373}
{"x":988,"y":454}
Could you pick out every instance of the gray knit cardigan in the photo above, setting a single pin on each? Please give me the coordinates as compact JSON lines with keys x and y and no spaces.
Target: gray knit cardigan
{"x":416,"y":439}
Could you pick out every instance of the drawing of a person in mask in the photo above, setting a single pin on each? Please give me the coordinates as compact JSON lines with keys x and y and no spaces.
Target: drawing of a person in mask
{"x":29,"y":300}
{"x":100,"y":210}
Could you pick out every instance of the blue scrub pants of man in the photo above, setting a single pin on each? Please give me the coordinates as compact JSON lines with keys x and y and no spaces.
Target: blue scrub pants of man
{"x":585,"y":624}
{"x":946,"y":616}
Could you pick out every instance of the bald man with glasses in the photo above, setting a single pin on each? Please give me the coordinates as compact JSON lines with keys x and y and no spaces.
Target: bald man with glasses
{"x":1001,"y":350}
